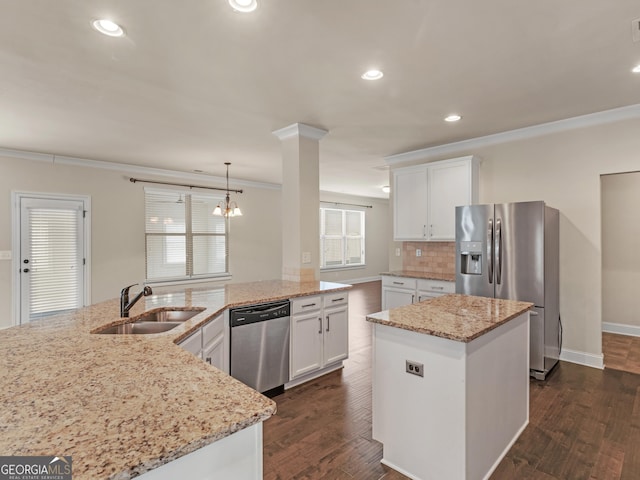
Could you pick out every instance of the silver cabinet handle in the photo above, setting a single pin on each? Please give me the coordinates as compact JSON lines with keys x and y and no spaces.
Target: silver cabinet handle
{"x":320,"y":328}
{"x":328,"y":324}
{"x":413,"y":298}
{"x":430,"y":231}
{"x":490,"y":250}
{"x":437,"y":288}
{"x":309,"y":305}
{"x":424,"y":231}
{"x":338,"y":299}
{"x":398,"y":283}
{"x":498,"y":252}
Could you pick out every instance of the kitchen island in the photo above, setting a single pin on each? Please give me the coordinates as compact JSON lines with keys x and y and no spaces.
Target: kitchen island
{"x":450,"y":384}
{"x":135,"y":405}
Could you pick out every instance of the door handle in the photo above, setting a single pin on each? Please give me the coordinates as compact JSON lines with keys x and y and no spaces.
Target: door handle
{"x":498,"y":251}
{"x":209,"y":360}
{"x":328,"y":324}
{"x":25,"y":270}
{"x":320,"y":329}
{"x":490,"y":250}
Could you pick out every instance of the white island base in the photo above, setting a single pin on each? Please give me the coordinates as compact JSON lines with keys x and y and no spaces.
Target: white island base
{"x":461,"y":418}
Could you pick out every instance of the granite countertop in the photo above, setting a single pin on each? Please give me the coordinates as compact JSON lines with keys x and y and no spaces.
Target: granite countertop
{"x":121,"y":405}
{"x":456,"y":317}
{"x":446,"y":277}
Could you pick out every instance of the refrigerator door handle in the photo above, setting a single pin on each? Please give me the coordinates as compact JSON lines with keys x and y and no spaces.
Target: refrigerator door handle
{"x":490,"y":250}
{"x":498,"y":252}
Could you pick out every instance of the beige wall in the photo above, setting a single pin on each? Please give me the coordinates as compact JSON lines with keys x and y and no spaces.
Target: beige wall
{"x":564,"y":169}
{"x":620,"y":242}
{"x":377,"y":238}
{"x":118,"y":226}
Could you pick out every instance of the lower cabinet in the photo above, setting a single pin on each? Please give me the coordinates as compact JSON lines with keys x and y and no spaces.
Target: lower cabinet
{"x":319,"y":332}
{"x":401,"y":291}
{"x":210,"y":343}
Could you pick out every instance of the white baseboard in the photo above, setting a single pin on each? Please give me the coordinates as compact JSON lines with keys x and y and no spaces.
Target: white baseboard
{"x":621,"y":329}
{"x":582,"y":358}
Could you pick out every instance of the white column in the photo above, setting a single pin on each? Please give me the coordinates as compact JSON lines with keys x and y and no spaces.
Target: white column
{"x":300,"y":201}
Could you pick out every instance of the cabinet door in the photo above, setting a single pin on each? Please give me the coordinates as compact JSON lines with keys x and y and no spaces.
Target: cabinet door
{"x":336,"y":335}
{"x":410,"y":203}
{"x":214,"y":353}
{"x":193,"y":343}
{"x":396,"y":297}
{"x":449,"y":187}
{"x":306,"y":343}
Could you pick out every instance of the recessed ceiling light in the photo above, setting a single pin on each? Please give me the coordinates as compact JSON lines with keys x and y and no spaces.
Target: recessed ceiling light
{"x":244,"y":6}
{"x":108,"y":27}
{"x":636,"y":69}
{"x":454,"y":117}
{"x":386,"y":189}
{"x":372,"y":75}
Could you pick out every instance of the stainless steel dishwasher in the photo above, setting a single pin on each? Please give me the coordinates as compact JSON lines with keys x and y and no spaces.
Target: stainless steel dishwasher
{"x":260,"y":345}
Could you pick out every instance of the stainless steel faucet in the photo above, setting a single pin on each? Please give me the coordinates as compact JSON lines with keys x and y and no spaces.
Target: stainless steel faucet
{"x":125,"y":305}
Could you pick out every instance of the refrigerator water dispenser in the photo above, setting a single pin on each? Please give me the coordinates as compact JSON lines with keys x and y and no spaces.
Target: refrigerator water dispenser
{"x":471,"y":258}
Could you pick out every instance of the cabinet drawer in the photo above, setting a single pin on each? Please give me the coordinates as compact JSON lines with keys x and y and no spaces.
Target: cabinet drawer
{"x":305,"y":304}
{"x":436,"y":286}
{"x":335,"y":299}
{"x":399,"y":282}
{"x":212,"y":329}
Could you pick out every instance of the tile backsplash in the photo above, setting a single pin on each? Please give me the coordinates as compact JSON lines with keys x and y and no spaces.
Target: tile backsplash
{"x":437,"y":257}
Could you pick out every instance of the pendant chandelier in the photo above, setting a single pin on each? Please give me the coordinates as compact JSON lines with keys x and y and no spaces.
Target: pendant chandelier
{"x":227,"y":208}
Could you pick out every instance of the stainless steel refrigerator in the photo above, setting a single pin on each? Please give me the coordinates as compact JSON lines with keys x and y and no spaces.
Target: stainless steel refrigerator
{"x":511,"y":251}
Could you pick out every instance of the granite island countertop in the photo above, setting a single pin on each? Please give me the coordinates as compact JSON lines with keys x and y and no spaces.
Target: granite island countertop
{"x":121,"y":405}
{"x":445,"y":277}
{"x":455,"y":317}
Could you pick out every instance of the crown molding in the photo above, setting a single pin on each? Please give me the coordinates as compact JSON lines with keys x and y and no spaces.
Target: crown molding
{"x":456,"y":148}
{"x":301,"y":130}
{"x":128,"y":168}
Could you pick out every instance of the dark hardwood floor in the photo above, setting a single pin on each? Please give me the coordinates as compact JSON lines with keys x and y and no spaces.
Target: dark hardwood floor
{"x":621,"y":352}
{"x":584,"y":422}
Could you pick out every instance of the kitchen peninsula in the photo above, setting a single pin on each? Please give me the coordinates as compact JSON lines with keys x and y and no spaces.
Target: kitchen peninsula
{"x":135,"y":405}
{"x":450,"y":384}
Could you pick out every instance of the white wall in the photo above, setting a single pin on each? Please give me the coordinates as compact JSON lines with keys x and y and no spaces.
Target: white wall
{"x":118,"y":225}
{"x":377,"y":237}
{"x":563,"y":169}
{"x":620,"y":249}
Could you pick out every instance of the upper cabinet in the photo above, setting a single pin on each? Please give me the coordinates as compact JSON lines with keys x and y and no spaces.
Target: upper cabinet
{"x":425,"y":197}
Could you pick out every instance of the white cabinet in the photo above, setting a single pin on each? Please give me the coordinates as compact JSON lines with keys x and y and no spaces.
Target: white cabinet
{"x":193,"y":343}
{"x":425,"y":197}
{"x":214,"y":349}
{"x":319,"y":333}
{"x":398,"y":292}
{"x":401,"y":291}
{"x":427,"y":289}
{"x":210,"y":343}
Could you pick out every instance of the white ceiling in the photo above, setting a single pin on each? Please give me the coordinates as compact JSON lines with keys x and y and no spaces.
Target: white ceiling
{"x":194,"y":84}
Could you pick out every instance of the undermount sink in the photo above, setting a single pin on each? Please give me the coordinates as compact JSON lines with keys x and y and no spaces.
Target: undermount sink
{"x":153,"y":322}
{"x":140,"y":328}
{"x":168,"y":315}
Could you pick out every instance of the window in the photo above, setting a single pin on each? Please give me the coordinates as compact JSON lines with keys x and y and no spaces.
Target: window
{"x":183,"y":239}
{"x":341,"y":238}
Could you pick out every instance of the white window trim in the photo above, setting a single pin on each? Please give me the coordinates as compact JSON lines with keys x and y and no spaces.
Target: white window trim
{"x":16,"y":197}
{"x":212,"y":277}
{"x":364,"y":240}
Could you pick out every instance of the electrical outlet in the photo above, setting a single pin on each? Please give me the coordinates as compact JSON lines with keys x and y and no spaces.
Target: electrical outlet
{"x":397,"y":252}
{"x":5,"y":255}
{"x":415,"y":368}
{"x":635,"y":30}
{"x":418,"y":252}
{"x":306,"y":257}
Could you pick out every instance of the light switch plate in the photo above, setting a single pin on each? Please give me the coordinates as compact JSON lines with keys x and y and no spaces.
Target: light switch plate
{"x":5,"y":254}
{"x":306,"y":257}
{"x":418,"y":252}
{"x":397,"y":252}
